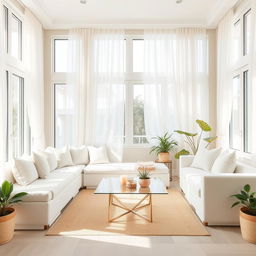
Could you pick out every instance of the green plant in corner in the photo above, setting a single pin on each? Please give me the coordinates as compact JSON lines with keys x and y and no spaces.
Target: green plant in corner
{"x":193,"y":139}
{"x":165,"y":144}
{"x":6,"y":201}
{"x":247,"y":199}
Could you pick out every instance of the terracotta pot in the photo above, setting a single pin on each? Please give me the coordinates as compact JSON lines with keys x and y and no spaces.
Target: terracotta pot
{"x":7,"y":225}
{"x":248,"y":226}
{"x":144,"y":183}
{"x":164,"y":157}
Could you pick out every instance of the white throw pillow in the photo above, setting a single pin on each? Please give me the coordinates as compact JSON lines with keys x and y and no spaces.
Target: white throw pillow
{"x":41,"y":164}
{"x":51,"y":157}
{"x":98,"y":155}
{"x":205,"y":158}
{"x":24,"y":171}
{"x":79,"y":155}
{"x":225,"y":162}
{"x":63,"y":157}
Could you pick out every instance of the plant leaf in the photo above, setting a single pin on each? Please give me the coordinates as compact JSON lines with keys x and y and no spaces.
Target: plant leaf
{"x":183,"y":152}
{"x":186,"y":133}
{"x":247,"y":188}
{"x":234,"y":204}
{"x":210,"y":139}
{"x":203,"y":125}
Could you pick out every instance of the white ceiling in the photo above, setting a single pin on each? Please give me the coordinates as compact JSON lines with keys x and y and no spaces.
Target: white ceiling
{"x":129,"y":13}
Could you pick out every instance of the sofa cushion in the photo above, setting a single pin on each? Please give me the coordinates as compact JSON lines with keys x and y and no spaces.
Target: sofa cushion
{"x":98,"y":155}
{"x":205,"y":158}
{"x":244,"y":168}
{"x":51,"y":157}
{"x":42,"y":164}
{"x":79,"y":155}
{"x":43,"y":190}
{"x":63,"y":157}
{"x":120,"y":168}
{"x":225,"y":163}
{"x":24,"y":171}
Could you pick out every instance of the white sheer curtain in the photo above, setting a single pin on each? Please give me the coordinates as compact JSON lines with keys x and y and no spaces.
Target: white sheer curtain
{"x":176,"y":79}
{"x":97,"y":74}
{"x":224,"y":78}
{"x":34,"y":81}
{"x":3,"y":94}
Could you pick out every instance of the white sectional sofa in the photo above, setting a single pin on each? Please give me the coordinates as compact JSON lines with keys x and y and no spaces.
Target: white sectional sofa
{"x":209,"y":194}
{"x":47,"y":197}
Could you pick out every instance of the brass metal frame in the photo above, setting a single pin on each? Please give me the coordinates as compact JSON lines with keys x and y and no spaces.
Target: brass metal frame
{"x":127,"y":209}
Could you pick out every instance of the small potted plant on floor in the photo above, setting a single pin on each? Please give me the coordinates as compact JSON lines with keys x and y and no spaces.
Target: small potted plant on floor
{"x":7,"y":213}
{"x":164,"y":146}
{"x":144,"y":178}
{"x":247,"y":213}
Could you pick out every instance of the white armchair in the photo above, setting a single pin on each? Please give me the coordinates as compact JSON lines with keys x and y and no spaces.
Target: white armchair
{"x":209,"y":194}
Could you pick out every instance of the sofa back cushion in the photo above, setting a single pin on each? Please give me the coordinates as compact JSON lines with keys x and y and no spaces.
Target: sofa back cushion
{"x":225,"y":163}
{"x":79,"y":155}
{"x":24,"y":171}
{"x":42,"y":164}
{"x":244,"y":168}
{"x":63,"y":157}
{"x":6,"y":173}
{"x":51,"y":157}
{"x":205,"y":158}
{"x":98,"y":155}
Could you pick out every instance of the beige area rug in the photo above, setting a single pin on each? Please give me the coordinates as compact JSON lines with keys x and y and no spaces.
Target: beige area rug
{"x":87,"y":215}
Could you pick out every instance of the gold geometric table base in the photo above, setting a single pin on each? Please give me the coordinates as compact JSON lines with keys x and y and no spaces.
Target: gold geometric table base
{"x":127,"y":209}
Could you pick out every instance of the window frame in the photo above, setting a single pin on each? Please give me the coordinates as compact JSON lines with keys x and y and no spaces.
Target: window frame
{"x":131,"y":78}
{"x":241,"y":67}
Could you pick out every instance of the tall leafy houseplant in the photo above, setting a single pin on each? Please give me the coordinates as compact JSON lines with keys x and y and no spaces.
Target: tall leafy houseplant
{"x":164,"y":146}
{"x":193,"y":139}
{"x":247,"y":213}
{"x":7,"y":213}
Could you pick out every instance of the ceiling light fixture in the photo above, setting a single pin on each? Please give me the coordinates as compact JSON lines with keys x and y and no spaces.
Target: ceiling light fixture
{"x":83,"y":1}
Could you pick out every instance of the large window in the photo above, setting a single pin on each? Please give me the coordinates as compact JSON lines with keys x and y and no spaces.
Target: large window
{"x":243,"y":108}
{"x":16,"y":37}
{"x":134,"y":114}
{"x":15,"y":110}
{"x":63,"y":102}
{"x":64,"y":115}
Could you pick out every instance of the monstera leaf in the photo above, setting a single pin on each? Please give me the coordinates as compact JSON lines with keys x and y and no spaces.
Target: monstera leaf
{"x":181,"y":153}
{"x":210,"y":139}
{"x":186,"y":133}
{"x":204,"y":126}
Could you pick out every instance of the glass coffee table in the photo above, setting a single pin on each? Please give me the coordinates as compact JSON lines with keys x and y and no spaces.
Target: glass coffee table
{"x":113,"y":188}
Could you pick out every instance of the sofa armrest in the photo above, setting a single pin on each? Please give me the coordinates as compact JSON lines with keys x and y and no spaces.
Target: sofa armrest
{"x":216,"y":194}
{"x":185,"y":161}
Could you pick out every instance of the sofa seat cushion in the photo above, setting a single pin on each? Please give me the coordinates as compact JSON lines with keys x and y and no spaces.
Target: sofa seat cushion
{"x":120,"y":168}
{"x":43,"y":190}
{"x":186,"y":173}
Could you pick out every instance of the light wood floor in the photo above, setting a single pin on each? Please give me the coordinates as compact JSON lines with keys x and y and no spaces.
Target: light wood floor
{"x":223,"y":241}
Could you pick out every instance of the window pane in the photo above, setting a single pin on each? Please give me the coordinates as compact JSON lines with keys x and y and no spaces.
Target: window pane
{"x":64,"y":115}
{"x":236,"y":125}
{"x":138,"y":55}
{"x":250,"y":115}
{"x":6,"y":29}
{"x":16,"y":115}
{"x":138,"y":115}
{"x":60,"y":55}
{"x":237,"y":40}
{"x":16,"y":27}
{"x":247,"y":32}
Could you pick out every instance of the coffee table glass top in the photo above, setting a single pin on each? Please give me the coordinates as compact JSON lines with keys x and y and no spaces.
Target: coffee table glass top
{"x":113,"y":186}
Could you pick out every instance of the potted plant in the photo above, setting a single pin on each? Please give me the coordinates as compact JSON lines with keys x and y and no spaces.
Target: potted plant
{"x":7,"y":213}
{"x":247,"y":213}
{"x":144,"y":178}
{"x":193,"y":141}
{"x":165,"y":145}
